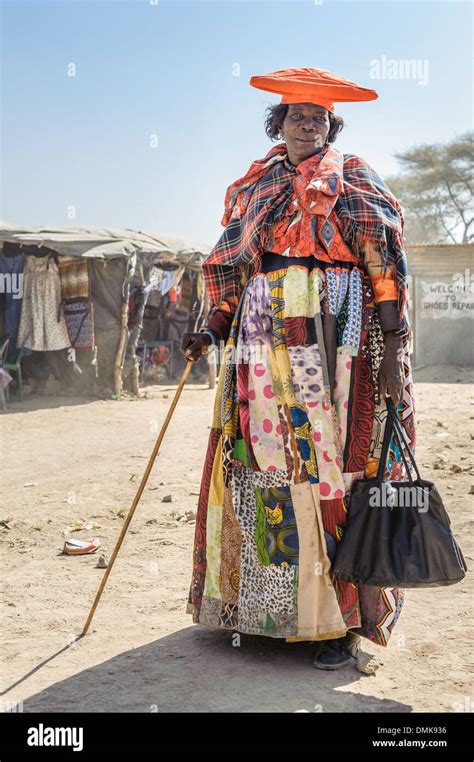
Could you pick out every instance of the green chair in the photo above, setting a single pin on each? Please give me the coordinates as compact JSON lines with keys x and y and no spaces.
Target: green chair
{"x":3,"y":354}
{"x":14,"y":363}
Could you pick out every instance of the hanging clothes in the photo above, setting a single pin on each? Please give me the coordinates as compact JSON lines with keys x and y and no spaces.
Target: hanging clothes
{"x":42,"y":324}
{"x":79,"y":317}
{"x":12,"y":267}
{"x":74,"y":277}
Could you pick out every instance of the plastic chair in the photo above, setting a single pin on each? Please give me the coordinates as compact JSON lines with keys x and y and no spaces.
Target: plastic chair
{"x":3,"y":354}
{"x":15,"y":366}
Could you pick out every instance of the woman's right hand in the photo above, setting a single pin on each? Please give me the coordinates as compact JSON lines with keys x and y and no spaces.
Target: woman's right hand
{"x":193,"y":344}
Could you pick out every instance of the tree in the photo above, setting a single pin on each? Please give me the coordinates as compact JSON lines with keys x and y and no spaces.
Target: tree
{"x":435,"y":190}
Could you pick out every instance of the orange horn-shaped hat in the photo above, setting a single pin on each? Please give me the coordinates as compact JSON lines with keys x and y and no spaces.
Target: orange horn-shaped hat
{"x":308,"y":85}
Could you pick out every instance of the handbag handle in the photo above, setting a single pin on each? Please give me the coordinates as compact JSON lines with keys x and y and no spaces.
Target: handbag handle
{"x":393,"y":426}
{"x":401,"y":437}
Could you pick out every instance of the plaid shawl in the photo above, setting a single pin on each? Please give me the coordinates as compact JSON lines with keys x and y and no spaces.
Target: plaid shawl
{"x":301,"y":210}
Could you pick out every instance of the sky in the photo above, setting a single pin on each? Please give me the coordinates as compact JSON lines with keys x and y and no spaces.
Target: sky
{"x":139,"y":114}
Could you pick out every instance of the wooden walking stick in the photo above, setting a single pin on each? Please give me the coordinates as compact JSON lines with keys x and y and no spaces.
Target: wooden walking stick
{"x":137,"y":497}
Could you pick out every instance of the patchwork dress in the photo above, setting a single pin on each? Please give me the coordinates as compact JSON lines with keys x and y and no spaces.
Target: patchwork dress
{"x":283,"y":453}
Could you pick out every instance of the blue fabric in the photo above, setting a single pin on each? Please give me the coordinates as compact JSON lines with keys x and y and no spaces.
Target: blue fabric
{"x":12,"y":311}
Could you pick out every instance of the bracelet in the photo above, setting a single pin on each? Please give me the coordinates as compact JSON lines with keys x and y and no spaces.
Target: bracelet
{"x":212,"y":335}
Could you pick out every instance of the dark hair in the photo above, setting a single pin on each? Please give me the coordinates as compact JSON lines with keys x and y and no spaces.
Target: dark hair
{"x":275,"y":114}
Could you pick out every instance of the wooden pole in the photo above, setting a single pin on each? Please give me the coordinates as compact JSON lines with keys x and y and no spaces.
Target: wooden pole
{"x":137,"y":497}
{"x":120,"y":351}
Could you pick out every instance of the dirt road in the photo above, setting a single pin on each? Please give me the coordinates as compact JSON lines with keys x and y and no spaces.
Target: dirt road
{"x":69,"y":460}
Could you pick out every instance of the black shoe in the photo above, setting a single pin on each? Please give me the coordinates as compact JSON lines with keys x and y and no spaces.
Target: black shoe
{"x":333,"y":654}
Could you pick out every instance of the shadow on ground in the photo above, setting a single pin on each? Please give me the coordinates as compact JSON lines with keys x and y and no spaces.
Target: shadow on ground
{"x":198,"y":669}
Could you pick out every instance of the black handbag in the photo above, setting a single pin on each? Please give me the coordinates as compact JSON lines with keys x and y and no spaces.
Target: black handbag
{"x":398,"y":533}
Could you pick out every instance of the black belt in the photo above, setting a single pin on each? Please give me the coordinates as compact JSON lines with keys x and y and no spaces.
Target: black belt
{"x":272,"y":261}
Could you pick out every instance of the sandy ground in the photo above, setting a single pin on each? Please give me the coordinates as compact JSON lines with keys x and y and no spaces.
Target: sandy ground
{"x":68,"y":460}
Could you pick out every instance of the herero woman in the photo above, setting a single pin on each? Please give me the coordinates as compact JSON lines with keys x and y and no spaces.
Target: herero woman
{"x":308,"y":290}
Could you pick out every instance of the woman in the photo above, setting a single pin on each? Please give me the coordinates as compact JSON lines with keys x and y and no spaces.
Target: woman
{"x":307,"y":287}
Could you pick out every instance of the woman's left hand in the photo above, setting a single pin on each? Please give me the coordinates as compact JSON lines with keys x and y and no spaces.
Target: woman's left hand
{"x":390,"y":379}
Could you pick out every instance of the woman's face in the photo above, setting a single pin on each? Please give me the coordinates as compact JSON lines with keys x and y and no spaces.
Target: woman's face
{"x":305,"y":129}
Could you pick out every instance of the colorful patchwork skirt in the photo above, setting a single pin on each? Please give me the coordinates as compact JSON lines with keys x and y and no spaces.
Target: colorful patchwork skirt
{"x":283,"y":453}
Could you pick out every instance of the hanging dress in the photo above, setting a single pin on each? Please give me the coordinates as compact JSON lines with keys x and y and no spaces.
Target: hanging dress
{"x":42,"y":324}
